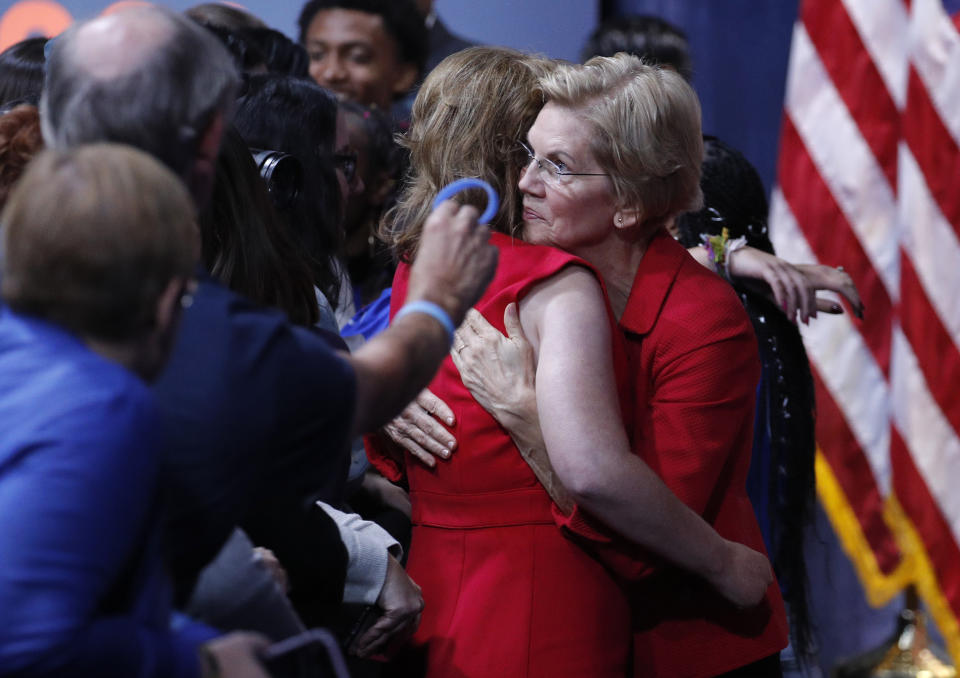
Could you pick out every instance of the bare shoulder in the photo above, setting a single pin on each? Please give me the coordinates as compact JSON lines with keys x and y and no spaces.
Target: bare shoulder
{"x":570,"y":298}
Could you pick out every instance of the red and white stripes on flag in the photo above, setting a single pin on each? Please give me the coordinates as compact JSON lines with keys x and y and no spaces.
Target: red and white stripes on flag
{"x":869,"y":178}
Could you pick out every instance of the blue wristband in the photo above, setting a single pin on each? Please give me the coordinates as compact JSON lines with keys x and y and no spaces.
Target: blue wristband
{"x":432,"y":310}
{"x":450,"y":190}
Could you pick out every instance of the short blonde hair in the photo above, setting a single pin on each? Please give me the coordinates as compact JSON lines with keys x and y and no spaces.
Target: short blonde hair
{"x":467,"y":121}
{"x":92,"y":237}
{"x":645,"y":124}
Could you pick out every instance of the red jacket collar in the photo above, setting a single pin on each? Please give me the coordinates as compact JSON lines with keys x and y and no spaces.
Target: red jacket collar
{"x":655,"y":275}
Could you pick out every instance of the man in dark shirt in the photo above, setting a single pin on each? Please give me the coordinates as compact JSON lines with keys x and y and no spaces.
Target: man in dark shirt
{"x":255,"y":408}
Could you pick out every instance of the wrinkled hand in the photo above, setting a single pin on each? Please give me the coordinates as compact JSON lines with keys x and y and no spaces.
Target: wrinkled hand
{"x":236,"y":655}
{"x":402,"y":604}
{"x":418,"y":430}
{"x":744,"y":575}
{"x":795,"y":287}
{"x":499,"y":371}
{"x":455,"y":261}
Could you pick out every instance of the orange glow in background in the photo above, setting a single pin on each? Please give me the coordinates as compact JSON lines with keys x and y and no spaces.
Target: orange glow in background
{"x":29,"y":18}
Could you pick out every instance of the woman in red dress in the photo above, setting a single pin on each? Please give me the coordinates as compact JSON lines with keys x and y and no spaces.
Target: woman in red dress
{"x":505,"y":591}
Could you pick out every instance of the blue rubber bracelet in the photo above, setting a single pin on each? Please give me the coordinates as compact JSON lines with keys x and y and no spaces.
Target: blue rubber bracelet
{"x":450,"y":190}
{"x":432,"y":310}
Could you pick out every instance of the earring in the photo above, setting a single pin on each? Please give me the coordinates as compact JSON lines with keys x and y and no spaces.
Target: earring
{"x":620,"y":219}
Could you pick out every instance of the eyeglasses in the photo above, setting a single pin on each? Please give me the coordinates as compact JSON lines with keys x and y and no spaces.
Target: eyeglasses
{"x":553,"y":173}
{"x":347,"y":163}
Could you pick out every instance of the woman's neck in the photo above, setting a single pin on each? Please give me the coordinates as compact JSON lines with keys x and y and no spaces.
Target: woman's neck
{"x":616,"y":260}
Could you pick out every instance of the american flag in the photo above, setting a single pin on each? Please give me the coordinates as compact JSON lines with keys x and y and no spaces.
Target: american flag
{"x":869,"y":178}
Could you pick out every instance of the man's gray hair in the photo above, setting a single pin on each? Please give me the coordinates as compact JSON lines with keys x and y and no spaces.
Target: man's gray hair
{"x":158,"y":91}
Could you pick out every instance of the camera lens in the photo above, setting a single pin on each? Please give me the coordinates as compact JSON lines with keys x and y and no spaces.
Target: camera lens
{"x":282,"y":173}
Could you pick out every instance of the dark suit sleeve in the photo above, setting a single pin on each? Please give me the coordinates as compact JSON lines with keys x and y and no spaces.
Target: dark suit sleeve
{"x":309,"y":461}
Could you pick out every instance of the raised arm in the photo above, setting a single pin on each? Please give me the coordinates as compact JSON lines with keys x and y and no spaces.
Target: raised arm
{"x":453,"y":267}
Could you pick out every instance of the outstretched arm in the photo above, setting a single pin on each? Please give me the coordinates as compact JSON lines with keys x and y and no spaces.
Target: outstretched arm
{"x":793,"y":286}
{"x":453,"y":267}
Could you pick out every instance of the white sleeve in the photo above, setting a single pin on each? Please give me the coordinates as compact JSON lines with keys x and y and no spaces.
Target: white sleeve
{"x":367,"y":546}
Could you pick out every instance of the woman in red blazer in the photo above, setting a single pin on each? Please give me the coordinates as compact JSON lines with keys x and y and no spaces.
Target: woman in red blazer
{"x":690,"y":346}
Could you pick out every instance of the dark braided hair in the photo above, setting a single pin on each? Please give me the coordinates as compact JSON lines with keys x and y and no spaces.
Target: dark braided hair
{"x":649,"y":37}
{"x":734,"y":198}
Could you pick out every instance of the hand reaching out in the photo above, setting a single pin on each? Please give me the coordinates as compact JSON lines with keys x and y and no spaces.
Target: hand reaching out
{"x":795,"y":287}
{"x":455,"y":261}
{"x":834,"y":280}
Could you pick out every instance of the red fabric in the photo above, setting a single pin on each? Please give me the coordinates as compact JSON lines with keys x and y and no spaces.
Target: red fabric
{"x":693,"y":358}
{"x":506,"y":594}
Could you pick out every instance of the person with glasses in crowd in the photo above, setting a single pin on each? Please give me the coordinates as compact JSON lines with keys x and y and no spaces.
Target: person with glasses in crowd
{"x":297,"y":117}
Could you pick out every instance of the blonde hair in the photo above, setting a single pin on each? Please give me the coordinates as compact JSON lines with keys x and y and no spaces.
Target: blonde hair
{"x":645,"y":124}
{"x":467,"y":121}
{"x":92,"y":237}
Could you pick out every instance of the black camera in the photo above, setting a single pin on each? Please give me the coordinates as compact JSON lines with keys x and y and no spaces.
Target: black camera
{"x":282,"y":173}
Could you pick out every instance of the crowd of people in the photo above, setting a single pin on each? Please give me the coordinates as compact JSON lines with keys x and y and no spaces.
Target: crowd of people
{"x":237,"y":404}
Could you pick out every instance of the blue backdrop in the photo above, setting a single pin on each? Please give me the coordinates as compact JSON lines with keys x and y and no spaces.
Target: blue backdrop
{"x":740,"y":51}
{"x":556,"y":28}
